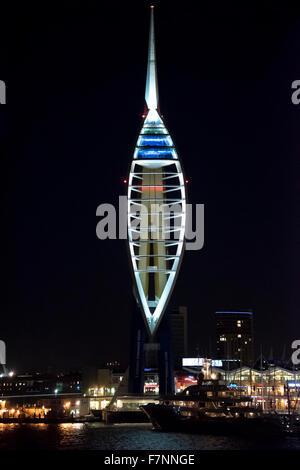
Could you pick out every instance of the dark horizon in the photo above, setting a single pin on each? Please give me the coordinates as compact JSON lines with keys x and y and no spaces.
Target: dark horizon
{"x":75,"y":95}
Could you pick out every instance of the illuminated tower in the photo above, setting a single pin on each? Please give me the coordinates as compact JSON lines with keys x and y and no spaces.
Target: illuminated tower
{"x":156,"y":207}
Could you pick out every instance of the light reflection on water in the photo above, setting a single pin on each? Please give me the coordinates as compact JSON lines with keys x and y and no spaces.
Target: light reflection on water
{"x":98,"y":436}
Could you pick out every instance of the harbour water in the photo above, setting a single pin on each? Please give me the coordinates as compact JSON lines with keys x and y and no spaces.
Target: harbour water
{"x":98,"y":436}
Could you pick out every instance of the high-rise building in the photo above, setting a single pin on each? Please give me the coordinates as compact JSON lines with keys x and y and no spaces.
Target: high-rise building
{"x":179,"y":338}
{"x":235,"y":336}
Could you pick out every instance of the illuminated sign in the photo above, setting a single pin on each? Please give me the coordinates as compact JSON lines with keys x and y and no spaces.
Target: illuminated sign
{"x":199,"y":362}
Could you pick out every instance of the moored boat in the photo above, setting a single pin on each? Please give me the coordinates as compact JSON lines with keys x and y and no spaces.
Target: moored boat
{"x":213,"y":408}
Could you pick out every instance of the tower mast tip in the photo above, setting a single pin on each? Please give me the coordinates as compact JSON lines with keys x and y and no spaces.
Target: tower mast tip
{"x":151,"y":95}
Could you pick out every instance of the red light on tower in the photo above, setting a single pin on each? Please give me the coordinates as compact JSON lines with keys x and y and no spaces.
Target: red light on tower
{"x":186,"y":181}
{"x":151,"y":188}
{"x":125,"y":181}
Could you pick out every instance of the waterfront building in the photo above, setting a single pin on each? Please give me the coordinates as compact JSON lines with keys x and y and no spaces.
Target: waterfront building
{"x":44,"y":406}
{"x":235,"y":340}
{"x":105,"y":382}
{"x":40,"y":383}
{"x":124,"y":403}
{"x":274,"y":388}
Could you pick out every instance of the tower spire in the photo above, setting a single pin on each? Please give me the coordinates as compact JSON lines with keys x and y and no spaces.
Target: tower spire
{"x":151,"y":94}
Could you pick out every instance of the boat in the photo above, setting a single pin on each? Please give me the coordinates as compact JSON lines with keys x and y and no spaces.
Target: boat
{"x":211,"y":407}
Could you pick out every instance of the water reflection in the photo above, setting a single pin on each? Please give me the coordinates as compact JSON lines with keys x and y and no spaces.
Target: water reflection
{"x":93,"y":436}
{"x":71,"y":426}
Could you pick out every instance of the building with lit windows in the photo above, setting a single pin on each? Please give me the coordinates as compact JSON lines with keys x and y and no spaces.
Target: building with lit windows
{"x":234,"y":330}
{"x":105,"y":382}
{"x":42,"y":395}
{"x":275,"y":388}
{"x":40,"y":383}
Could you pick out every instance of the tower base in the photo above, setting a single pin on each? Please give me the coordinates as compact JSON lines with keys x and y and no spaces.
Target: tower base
{"x":150,"y":356}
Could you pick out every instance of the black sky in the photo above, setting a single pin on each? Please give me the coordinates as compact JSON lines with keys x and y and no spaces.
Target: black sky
{"x":75,"y":74}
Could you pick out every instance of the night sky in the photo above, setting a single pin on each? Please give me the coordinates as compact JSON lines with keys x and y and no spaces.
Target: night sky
{"x":75,"y":74}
